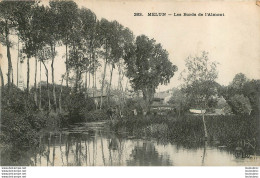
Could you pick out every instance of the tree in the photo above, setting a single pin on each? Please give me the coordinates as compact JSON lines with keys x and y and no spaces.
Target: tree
{"x":52,"y":29}
{"x":223,"y":105}
{"x":199,"y":80}
{"x":179,"y":101}
{"x":241,"y":85}
{"x":202,"y":94}
{"x":148,"y":66}
{"x":90,"y":42}
{"x":67,"y":12}
{"x":44,"y":55}
{"x":116,"y":53}
{"x":105,"y":31}
{"x":7,"y":24}
{"x":123,"y":38}
{"x":78,"y":62}
{"x":240,"y":104}
{"x":236,"y":86}
{"x":239,"y":81}
{"x":251,"y":89}
{"x":29,"y":28}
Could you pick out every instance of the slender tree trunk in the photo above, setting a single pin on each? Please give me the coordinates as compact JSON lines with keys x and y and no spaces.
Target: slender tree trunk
{"x":103,"y":81}
{"x":12,"y":77}
{"x":126,"y":85}
{"x":124,"y":92}
{"x":204,"y":126}
{"x":120,"y":88}
{"x":76,"y":84}
{"x":77,"y":79}
{"x":86,"y":84}
{"x":40,"y":88}
{"x":93,"y":75}
{"x":204,"y":122}
{"x":93,"y":64}
{"x":60,"y":108}
{"x":17,"y":70}
{"x":89,"y":79}
{"x":2,"y":78}
{"x":8,"y":55}
{"x":95,"y":79}
{"x":48,"y":92}
{"x":86,"y":80}
{"x":119,"y":76}
{"x":28,"y":75}
{"x":110,"y":82}
{"x":67,"y":69}
{"x":52,"y":77}
{"x":35,"y":83}
{"x":9,"y":66}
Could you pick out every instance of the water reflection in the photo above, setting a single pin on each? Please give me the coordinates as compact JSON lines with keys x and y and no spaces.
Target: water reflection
{"x":94,"y":146}
{"x":147,"y":155}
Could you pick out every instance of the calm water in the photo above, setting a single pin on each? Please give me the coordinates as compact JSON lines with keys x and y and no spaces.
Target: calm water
{"x":92,"y":145}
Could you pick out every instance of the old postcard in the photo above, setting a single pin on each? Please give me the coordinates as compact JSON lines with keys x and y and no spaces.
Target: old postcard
{"x":130,"y":83}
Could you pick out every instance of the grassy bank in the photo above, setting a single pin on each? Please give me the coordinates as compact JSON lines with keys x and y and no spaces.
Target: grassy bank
{"x":223,"y":130}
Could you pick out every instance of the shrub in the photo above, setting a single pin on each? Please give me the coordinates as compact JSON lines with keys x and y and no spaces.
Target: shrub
{"x":17,"y":130}
{"x":95,"y":115}
{"x":240,"y":104}
{"x":136,"y":103}
{"x":18,"y":101}
{"x":78,"y":106}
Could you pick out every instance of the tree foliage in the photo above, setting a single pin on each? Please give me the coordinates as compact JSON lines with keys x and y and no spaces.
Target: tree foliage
{"x":199,"y":81}
{"x":148,"y":66}
{"x":240,"y":104}
{"x":179,"y":101}
{"x":199,"y":68}
{"x":242,"y":86}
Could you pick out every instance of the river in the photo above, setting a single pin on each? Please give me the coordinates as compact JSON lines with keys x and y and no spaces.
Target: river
{"x":91,"y":144}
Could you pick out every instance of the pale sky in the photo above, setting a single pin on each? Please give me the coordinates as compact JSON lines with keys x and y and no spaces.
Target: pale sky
{"x":232,"y":40}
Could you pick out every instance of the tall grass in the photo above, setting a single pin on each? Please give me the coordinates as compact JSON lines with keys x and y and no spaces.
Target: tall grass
{"x":226,"y":130}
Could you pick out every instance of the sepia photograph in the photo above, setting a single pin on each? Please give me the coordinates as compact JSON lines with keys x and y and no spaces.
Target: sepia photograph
{"x":129,"y":83}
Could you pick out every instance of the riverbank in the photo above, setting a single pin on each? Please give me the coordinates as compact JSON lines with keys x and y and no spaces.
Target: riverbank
{"x":93,"y":144}
{"x":227,"y":131}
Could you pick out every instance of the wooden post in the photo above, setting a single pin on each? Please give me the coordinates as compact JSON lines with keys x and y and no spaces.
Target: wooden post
{"x":204,"y":125}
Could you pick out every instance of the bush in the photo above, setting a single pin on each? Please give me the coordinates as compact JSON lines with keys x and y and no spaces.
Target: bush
{"x":240,"y":104}
{"x":17,"y":101}
{"x":96,"y":115}
{"x":136,"y":103}
{"x":78,"y":106}
{"x":222,"y":104}
{"x":17,"y":130}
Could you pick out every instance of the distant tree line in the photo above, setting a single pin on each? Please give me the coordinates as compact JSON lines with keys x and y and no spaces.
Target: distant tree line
{"x":201,"y":91}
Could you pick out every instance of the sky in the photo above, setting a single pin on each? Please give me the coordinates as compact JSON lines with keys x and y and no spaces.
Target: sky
{"x":232,"y":40}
